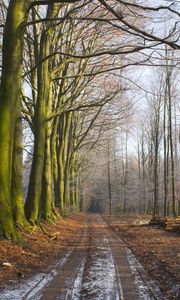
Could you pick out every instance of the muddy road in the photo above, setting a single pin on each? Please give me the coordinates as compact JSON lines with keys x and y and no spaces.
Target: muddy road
{"x":99,"y":266}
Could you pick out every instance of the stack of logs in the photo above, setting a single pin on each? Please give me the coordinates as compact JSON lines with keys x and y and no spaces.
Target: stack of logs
{"x":169,"y":223}
{"x":176,"y":226}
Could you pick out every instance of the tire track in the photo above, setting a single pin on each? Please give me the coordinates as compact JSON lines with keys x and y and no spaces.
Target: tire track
{"x":98,"y":267}
{"x":62,"y":284}
{"x":126,"y":262}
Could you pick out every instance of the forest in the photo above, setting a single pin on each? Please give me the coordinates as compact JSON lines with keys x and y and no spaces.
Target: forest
{"x":88,"y":87}
{"x":90,"y":149}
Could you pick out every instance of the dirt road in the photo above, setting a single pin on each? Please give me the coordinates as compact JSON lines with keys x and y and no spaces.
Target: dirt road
{"x":99,"y":266}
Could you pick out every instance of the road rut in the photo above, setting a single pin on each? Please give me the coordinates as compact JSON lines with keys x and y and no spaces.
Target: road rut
{"x":99,"y":267}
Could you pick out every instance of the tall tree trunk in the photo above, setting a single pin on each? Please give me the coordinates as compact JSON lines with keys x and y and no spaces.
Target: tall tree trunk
{"x":156,"y":154}
{"x":77,"y":191}
{"x":67,"y":156}
{"x":17,"y":169}
{"x":73,"y":197}
{"x":167,"y":174}
{"x":125,"y":175}
{"x":165,"y":154}
{"x":54,"y":153}
{"x":156,"y":204}
{"x":171,"y":145}
{"x":139,"y":174}
{"x":60,"y":150}
{"x":47,"y":199}
{"x":9,"y":98}
{"x":143,"y":202}
{"x":33,"y":201}
{"x":109,"y":181}
{"x":150,"y":176}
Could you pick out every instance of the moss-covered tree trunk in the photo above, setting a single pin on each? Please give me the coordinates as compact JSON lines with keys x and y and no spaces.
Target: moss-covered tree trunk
{"x":33,"y":201}
{"x":74,"y":183}
{"x":47,"y":197}
{"x":66,"y":185}
{"x":74,"y":194}
{"x":74,"y":189}
{"x":17,"y":170}
{"x":54,"y":153}
{"x":67,"y":156}
{"x":9,"y":98}
{"x":60,"y":150}
{"x":77,"y":192}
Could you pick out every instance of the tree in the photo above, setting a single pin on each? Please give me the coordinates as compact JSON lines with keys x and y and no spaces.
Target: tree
{"x":10,"y":89}
{"x":113,"y":16}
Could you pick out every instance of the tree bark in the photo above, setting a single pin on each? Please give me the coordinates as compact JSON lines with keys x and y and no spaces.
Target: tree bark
{"x":33,"y":201}
{"x":9,"y":99}
{"x":67,"y":157}
{"x":17,"y":170}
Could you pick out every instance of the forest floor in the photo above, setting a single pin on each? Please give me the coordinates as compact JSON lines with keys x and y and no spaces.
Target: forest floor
{"x":157,"y":250}
{"x":92,"y":258}
{"x":38,"y":251}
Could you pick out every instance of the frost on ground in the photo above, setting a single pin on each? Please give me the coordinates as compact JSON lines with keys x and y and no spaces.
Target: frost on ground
{"x":144,"y":289}
{"x":97,"y":277}
{"x":76,"y":289}
{"x":158,"y":252}
{"x":23,"y":291}
{"x":32,"y":289}
{"x":100,"y":281}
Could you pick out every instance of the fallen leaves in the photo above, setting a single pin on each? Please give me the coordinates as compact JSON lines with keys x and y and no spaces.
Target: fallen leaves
{"x":38,"y":252}
{"x":158,"y":252}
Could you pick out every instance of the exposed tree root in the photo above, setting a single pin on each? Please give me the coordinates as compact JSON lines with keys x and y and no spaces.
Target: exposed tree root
{"x":51,"y":237}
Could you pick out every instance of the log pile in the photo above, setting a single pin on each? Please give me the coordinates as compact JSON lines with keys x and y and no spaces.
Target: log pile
{"x":169,"y":223}
{"x":157,"y":221}
{"x":177,"y":225}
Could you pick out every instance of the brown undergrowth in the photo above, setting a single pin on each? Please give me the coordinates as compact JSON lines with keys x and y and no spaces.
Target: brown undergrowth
{"x":37,"y":252}
{"x":157,"y":250}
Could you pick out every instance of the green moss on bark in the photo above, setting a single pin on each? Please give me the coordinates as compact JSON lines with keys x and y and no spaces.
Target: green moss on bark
{"x":9,"y":99}
{"x":17,"y":169}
